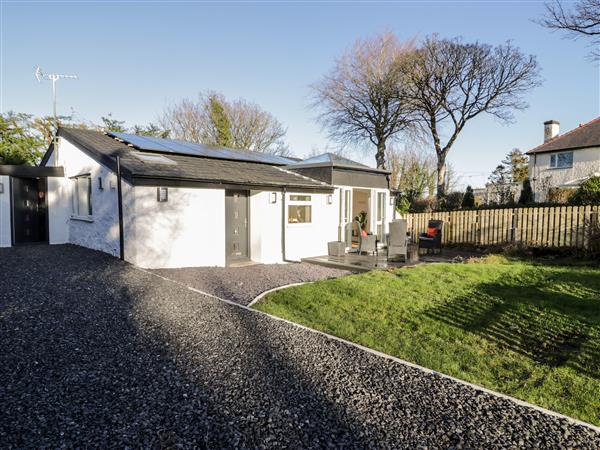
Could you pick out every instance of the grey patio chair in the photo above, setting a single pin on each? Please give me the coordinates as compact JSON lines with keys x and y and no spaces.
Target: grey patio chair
{"x":398,"y":239}
{"x":366,"y":244}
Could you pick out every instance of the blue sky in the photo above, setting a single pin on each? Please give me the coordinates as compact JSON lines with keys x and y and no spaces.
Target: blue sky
{"x":133,"y":58}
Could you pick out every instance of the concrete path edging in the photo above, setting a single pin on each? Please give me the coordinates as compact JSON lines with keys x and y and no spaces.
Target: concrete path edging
{"x":378,"y":353}
{"x":260,"y":296}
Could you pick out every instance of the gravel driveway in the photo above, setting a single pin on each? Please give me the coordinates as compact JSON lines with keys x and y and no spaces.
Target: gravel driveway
{"x":95,"y":353}
{"x":243,"y":284}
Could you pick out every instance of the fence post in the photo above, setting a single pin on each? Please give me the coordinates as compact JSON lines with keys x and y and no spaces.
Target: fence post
{"x":592,"y":226}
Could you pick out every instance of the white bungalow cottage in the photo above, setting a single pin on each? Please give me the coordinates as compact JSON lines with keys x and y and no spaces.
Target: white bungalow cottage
{"x":180,"y":204}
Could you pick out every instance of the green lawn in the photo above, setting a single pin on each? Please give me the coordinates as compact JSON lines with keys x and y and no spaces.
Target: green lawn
{"x":528,"y":330}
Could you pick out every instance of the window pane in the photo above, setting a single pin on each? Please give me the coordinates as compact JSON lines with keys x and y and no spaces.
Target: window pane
{"x":81,"y":197}
{"x":89,"y":195}
{"x":74,"y":197}
{"x":82,"y":204}
{"x":565,"y":159}
{"x":300,"y":198}
{"x":347,"y":209}
{"x":299,"y":213}
{"x":552,"y":160}
{"x":380,"y":206}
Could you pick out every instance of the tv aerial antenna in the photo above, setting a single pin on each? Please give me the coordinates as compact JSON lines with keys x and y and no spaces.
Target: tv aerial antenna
{"x":54,"y":77}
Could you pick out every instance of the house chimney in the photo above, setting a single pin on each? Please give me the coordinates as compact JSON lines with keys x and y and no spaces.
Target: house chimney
{"x":551,"y":129}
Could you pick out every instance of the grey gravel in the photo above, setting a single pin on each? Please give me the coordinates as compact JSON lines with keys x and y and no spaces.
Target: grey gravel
{"x":96,"y":353}
{"x":244,"y":284}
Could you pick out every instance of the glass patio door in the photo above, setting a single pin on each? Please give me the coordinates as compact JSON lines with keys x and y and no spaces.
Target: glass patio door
{"x":345,"y":215}
{"x":380,"y":216}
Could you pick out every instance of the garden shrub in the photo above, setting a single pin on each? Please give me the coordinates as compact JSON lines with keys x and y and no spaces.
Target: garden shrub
{"x":422,"y":205}
{"x":526,"y":196}
{"x":468,"y":200}
{"x":403,"y":205}
{"x":452,"y":201}
{"x":560,"y":195}
{"x":588,"y":192}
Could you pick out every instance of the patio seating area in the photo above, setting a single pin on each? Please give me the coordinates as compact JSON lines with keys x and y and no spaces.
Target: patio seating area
{"x":362,"y":252}
{"x":364,"y":263}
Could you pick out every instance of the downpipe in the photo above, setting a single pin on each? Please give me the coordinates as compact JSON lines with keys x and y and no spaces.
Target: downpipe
{"x":284,"y":226}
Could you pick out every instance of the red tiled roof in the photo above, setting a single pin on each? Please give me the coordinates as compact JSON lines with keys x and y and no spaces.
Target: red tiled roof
{"x":586,"y":135}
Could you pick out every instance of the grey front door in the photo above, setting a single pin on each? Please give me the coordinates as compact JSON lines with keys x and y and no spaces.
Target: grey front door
{"x":236,"y":225}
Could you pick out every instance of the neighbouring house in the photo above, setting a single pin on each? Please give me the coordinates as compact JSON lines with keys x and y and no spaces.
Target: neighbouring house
{"x":490,"y":194}
{"x":185,"y":204}
{"x":564,"y":161}
{"x":480,"y":196}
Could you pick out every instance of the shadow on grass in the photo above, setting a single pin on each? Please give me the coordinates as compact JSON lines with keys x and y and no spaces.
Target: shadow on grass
{"x":551,"y":319}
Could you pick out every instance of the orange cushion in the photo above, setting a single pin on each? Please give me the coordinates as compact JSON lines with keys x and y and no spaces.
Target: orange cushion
{"x":432,"y":231}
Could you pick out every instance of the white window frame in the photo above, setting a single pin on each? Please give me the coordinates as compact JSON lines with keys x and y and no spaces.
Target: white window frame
{"x":307,"y":202}
{"x":75,"y":185}
{"x":554,"y":160}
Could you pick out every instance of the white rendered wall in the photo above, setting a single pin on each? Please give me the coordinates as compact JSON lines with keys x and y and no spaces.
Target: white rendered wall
{"x":5,"y":238}
{"x":310,"y":239}
{"x":186,"y":231}
{"x":59,"y":210}
{"x":586,"y":162}
{"x":265,"y":227}
{"x":101,"y":232}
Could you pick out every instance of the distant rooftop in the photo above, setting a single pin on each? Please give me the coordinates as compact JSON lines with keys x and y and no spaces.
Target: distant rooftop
{"x":333,"y":160}
{"x":586,"y":135}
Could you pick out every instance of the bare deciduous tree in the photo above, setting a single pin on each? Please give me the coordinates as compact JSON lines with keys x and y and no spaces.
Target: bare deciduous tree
{"x":582,"y":20}
{"x":188,"y":120}
{"x":453,"y":82}
{"x":252,"y":128}
{"x":362,"y":100}
{"x":413,"y":171}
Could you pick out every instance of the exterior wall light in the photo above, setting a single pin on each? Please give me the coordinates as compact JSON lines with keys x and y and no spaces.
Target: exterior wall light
{"x":162,"y":194}
{"x":1,"y":188}
{"x":329,"y":199}
{"x":273,"y":197}
{"x":100,"y":184}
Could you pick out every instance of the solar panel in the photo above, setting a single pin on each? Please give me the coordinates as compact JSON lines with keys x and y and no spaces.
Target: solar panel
{"x":178,"y":147}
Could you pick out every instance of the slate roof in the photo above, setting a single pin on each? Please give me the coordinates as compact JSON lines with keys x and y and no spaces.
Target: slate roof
{"x":586,"y":135}
{"x":333,"y":160}
{"x":182,"y":168}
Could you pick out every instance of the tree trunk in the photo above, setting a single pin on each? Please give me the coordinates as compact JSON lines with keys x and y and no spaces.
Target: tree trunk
{"x":441,"y":177}
{"x":380,"y":155}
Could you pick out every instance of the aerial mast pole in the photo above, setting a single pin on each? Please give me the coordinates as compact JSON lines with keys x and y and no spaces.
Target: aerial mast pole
{"x":54,"y":77}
